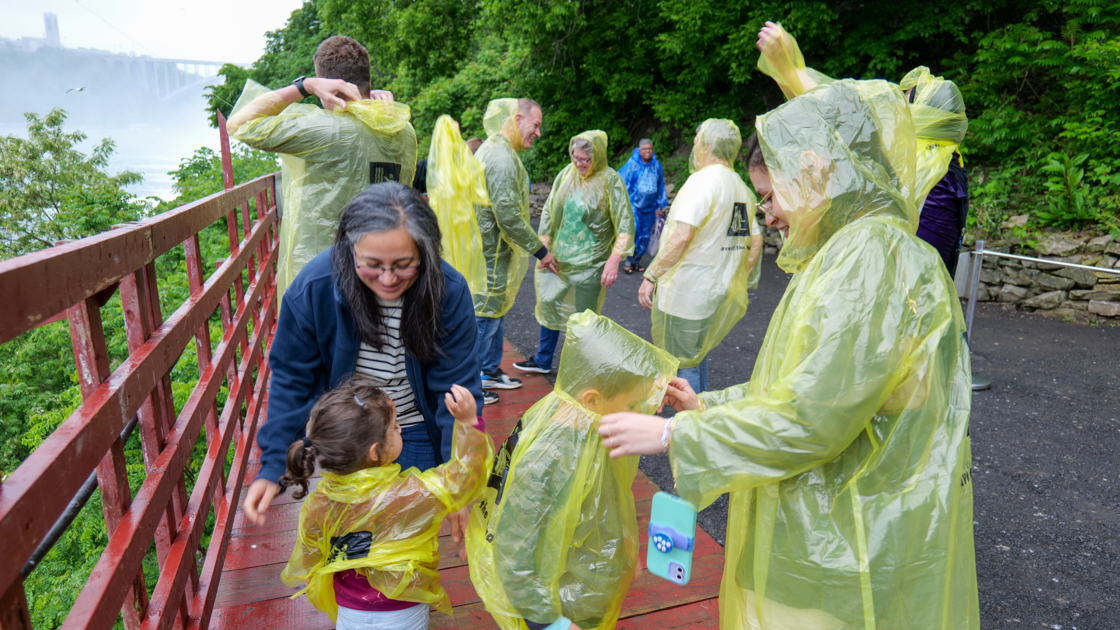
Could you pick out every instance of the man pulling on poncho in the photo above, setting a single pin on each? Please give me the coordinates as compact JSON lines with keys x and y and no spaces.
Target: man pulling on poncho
{"x":507,"y":238}
{"x":847,"y":453}
{"x":554,"y":540}
{"x":588,"y":226}
{"x":645,"y":181}
{"x":707,"y":257}
{"x":940,"y":124}
{"x":329,"y":155}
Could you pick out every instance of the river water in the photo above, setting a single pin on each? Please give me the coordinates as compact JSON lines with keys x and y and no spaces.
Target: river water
{"x":152,"y":146}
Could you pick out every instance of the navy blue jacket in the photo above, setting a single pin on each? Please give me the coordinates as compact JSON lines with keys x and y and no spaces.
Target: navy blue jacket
{"x":316,"y":348}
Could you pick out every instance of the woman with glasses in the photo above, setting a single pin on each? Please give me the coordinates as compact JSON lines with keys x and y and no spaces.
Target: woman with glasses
{"x":380,"y":303}
{"x":588,"y":227}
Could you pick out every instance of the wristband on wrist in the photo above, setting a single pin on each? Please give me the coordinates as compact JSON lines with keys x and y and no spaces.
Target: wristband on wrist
{"x":299,"y":86}
{"x":666,"y":434}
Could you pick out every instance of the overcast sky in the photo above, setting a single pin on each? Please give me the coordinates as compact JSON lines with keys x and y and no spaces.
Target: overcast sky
{"x":203,"y":30}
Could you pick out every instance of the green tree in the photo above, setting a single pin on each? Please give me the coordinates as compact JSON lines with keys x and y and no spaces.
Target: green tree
{"x":289,"y":53}
{"x":51,"y":191}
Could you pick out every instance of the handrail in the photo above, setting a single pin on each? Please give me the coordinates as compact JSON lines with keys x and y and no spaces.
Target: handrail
{"x":976,"y":261}
{"x":76,"y":278}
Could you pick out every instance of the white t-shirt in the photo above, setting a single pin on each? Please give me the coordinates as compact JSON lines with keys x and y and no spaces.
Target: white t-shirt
{"x":387,"y":366}
{"x":696,"y":286}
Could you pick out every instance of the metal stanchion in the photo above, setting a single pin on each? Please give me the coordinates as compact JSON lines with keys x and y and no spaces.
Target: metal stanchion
{"x":979,"y":383}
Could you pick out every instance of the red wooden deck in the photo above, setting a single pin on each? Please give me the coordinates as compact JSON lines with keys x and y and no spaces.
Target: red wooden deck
{"x":250,"y":594}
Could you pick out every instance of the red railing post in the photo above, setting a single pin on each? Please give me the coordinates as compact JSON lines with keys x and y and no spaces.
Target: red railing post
{"x":76,"y":279}
{"x":87,"y":336}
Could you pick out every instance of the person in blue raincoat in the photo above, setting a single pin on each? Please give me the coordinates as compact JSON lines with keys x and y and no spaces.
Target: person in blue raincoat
{"x":645,"y":181}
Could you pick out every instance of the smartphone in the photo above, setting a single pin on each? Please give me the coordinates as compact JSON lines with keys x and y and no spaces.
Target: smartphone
{"x":672,"y":538}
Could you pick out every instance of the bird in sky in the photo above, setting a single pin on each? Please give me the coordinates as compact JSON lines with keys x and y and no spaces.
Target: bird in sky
{"x":75,"y":89}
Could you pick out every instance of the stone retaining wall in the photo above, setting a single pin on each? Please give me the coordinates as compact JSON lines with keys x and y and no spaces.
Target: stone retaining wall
{"x":1052,"y":290}
{"x":1061,"y":292}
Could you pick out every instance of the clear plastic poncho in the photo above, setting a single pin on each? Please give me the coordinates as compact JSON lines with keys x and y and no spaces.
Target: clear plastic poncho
{"x":507,"y":238}
{"x":937,"y":108}
{"x":558,"y":534}
{"x":940,"y":123}
{"x":847,"y":453}
{"x":402,"y":513}
{"x":328,"y":157}
{"x":455,"y":184}
{"x":585,"y":221}
{"x":702,"y":279}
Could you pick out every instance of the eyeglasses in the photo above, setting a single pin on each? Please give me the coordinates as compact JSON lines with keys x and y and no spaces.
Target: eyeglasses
{"x":766,"y":204}
{"x":581,"y":161}
{"x":374,"y":271}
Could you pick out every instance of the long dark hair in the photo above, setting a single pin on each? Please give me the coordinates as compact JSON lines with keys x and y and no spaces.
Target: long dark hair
{"x":344,"y":423}
{"x":380,"y":208}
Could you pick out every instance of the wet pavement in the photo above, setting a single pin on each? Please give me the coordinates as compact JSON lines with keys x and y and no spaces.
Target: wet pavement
{"x":1045,"y":445}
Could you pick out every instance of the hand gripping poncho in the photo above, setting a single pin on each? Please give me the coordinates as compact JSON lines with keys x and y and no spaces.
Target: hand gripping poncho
{"x":937,"y":108}
{"x":455,"y":184}
{"x":507,"y":238}
{"x":847,"y":454}
{"x":585,"y":221}
{"x":328,"y":158}
{"x":702,"y":283}
{"x":398,"y":516}
{"x":557,"y":534}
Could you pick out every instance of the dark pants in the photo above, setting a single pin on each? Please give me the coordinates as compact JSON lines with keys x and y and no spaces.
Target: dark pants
{"x":643,"y":226}
{"x":546,"y":349}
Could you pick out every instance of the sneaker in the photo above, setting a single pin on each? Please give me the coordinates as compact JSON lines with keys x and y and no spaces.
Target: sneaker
{"x":529,"y":365}
{"x":500,"y":381}
{"x":489,"y":397}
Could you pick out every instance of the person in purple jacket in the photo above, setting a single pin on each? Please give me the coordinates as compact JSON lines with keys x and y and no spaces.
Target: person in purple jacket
{"x":380,"y":303}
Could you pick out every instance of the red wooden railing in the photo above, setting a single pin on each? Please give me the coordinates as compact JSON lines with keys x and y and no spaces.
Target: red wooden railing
{"x":76,"y":279}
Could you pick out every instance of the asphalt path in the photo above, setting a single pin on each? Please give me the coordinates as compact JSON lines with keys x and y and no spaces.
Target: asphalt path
{"x":1045,"y":444}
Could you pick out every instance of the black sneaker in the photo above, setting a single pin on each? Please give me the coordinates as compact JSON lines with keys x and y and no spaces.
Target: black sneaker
{"x":529,"y":365}
{"x":500,"y":381}
{"x":489,"y":397}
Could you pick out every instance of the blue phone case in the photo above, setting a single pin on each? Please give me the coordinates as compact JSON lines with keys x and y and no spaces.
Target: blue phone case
{"x":672,"y":538}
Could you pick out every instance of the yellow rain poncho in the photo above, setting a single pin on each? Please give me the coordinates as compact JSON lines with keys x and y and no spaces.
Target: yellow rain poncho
{"x":940,"y":123}
{"x":455,"y":184}
{"x":396,"y":516}
{"x":938,"y":110}
{"x":586,"y":220}
{"x":556,"y":534}
{"x":709,"y":250}
{"x":507,"y":238}
{"x":847,"y":453}
{"x":328,"y":158}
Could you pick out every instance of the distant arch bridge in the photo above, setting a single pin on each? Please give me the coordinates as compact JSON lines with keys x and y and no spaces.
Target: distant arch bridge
{"x":165,"y":79}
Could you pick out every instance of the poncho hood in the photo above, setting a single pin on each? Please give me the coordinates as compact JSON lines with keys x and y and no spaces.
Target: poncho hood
{"x":717,"y":142}
{"x":838,"y":153}
{"x":500,"y":121}
{"x":937,"y":107}
{"x":598,"y":141}
{"x":599,"y":354}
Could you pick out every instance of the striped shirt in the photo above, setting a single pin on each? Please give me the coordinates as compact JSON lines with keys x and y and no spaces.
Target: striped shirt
{"x":387,"y":366}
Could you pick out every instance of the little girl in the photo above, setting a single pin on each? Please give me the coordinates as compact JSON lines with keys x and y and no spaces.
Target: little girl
{"x":367,"y":552}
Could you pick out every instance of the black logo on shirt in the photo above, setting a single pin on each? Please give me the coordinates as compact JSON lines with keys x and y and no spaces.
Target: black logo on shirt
{"x":740,"y":220}
{"x":384,"y":172}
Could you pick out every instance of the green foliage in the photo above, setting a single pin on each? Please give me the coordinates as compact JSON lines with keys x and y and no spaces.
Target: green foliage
{"x":1067,"y":201}
{"x":1039,"y":77}
{"x":200,"y":174}
{"x":38,"y":382}
{"x":51,"y":191}
{"x":288,"y":54}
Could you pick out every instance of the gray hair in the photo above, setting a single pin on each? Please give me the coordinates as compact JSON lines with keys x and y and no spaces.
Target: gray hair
{"x":645,"y":141}
{"x":583,"y":144}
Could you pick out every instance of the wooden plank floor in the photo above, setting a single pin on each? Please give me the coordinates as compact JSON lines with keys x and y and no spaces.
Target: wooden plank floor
{"x":251,"y":594}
